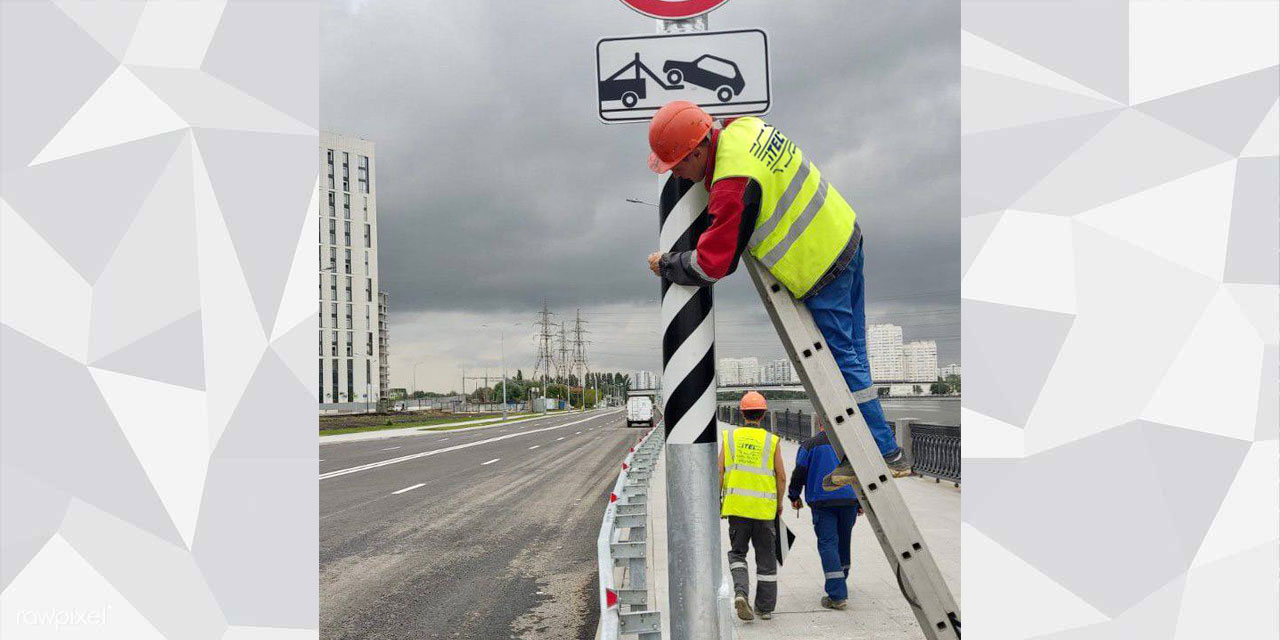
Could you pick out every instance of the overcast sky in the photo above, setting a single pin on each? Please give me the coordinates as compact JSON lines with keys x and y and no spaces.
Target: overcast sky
{"x":499,"y":187}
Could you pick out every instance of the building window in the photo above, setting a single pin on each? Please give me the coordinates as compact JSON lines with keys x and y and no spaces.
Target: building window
{"x":367,"y":324}
{"x":332,"y":212}
{"x":351,"y":344}
{"x":333,"y":259}
{"x":367,"y":372}
{"x":335,"y":379}
{"x":331,"y":168}
{"x":365,"y":176}
{"x":321,"y":352}
{"x":368,"y":346}
{"x":368,"y":287}
{"x":347,"y":262}
{"x":333,"y":231}
{"x":366,"y":208}
{"x":346,"y":233}
{"x":368,"y":236}
{"x":333,"y":346}
{"x":320,"y":370}
{"x":333,"y":318}
{"x":348,"y":317}
{"x":333,"y":288}
{"x":351,"y":378}
{"x":321,"y":295}
{"x":366,"y":262}
{"x":346,"y":206}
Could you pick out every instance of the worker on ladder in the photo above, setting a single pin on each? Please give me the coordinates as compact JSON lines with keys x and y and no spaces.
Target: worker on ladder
{"x":752,"y":482}
{"x":766,"y":197}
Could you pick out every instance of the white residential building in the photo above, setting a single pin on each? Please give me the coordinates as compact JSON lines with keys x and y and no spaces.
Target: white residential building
{"x":884,"y":346}
{"x":779,"y":372}
{"x":353,"y":336}
{"x":921,"y":361}
{"x":738,"y":371}
{"x":644,"y":380}
{"x":949,"y":370}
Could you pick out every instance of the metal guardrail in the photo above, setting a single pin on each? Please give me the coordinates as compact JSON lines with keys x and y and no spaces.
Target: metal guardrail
{"x":627,"y":511}
{"x":793,"y":425}
{"x":935,"y":451}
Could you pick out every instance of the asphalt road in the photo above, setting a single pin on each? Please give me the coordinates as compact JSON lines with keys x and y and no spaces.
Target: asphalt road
{"x":454,"y":544}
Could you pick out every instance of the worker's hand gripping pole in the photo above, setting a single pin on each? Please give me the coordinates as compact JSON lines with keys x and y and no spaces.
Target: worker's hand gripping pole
{"x":689,"y":414}
{"x":918,"y":576}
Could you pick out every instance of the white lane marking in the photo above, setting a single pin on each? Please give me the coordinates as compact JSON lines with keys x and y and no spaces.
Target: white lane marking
{"x":490,"y":462}
{"x":390,"y":448}
{"x":441,"y":439}
{"x":576,"y":432}
{"x":423,"y":454}
{"x":322,"y":461}
{"x":420,"y":484}
{"x":534,"y":447}
{"x":560,"y":438}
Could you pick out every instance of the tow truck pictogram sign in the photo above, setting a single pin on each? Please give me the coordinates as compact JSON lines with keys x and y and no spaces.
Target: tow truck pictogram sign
{"x":724,"y":72}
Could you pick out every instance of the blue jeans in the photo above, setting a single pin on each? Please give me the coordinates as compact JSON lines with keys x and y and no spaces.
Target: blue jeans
{"x":839,"y":309}
{"x":834,"y":527}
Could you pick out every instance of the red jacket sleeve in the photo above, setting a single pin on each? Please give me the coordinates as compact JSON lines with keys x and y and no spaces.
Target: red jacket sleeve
{"x":718,"y":245}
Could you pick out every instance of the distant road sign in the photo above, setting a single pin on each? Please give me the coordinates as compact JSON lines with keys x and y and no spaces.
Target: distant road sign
{"x":724,"y":72}
{"x":673,"y":9}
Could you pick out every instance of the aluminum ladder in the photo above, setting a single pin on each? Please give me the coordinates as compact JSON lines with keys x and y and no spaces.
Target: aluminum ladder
{"x":918,"y":576}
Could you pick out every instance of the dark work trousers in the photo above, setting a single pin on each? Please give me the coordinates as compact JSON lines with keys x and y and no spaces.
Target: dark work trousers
{"x":759,"y":534}
{"x":834,"y":527}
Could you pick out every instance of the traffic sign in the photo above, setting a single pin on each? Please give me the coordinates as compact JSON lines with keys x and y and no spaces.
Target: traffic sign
{"x":724,"y":72}
{"x":673,"y":9}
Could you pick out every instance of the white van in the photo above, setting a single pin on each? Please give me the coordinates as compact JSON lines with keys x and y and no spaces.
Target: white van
{"x":639,"y":411}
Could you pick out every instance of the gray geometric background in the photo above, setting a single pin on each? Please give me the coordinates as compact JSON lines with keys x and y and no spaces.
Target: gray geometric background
{"x":158,"y":417}
{"x":1121,"y":165}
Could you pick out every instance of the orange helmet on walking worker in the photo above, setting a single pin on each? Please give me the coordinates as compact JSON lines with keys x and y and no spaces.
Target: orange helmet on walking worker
{"x":753,"y":401}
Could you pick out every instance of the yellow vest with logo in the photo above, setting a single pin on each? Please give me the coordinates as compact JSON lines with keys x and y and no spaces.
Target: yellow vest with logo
{"x":804,"y":224}
{"x":750,"y":489}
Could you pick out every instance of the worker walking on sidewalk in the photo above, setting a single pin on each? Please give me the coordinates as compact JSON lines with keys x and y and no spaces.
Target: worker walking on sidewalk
{"x":752,"y":482}
{"x":834,"y":513}
{"x":766,"y":197}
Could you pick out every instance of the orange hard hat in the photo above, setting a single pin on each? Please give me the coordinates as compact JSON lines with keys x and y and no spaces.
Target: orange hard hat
{"x":676,"y":129}
{"x":752,"y":400}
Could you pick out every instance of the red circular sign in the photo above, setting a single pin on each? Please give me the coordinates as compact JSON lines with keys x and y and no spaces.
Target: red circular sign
{"x":673,"y":9}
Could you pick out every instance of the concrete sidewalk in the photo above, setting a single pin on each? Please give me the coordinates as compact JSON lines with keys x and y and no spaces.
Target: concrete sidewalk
{"x":876,"y":609}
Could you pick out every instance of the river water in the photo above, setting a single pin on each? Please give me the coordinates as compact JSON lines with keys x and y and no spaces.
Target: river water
{"x":944,"y":411}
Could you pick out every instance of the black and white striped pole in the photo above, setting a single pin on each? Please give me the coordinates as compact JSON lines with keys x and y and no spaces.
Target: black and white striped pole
{"x":689,"y":410}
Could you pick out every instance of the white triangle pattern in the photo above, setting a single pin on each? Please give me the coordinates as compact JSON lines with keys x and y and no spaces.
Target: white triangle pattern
{"x":175,"y":261}
{"x":121,"y":110}
{"x":1161,"y":331}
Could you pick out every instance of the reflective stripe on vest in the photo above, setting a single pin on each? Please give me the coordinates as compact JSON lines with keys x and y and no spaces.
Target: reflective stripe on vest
{"x":750,"y":484}
{"x":804,"y":224}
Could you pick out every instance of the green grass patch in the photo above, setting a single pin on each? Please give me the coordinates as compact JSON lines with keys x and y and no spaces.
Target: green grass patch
{"x":412,"y":423}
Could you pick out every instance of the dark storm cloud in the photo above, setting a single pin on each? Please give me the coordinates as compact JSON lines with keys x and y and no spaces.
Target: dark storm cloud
{"x":499,"y":187}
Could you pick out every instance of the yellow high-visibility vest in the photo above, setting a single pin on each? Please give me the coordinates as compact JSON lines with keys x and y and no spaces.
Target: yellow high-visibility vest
{"x":804,"y":224}
{"x":750,"y":489}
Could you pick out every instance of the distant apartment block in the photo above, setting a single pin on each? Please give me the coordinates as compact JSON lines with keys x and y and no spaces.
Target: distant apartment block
{"x":353,"y":365}
{"x":884,"y":346}
{"x":644,"y":380}
{"x":949,"y":370}
{"x":779,"y":372}
{"x":738,"y":371}
{"x":920,"y":358}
